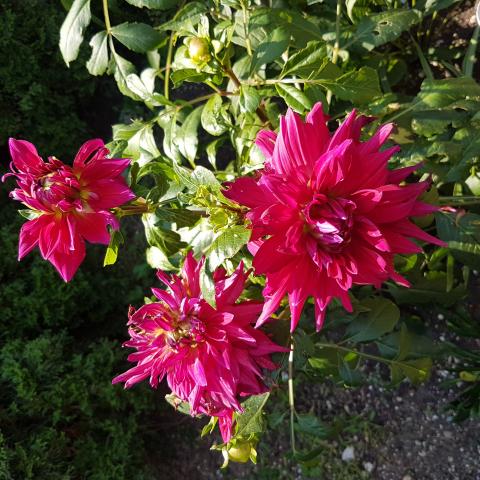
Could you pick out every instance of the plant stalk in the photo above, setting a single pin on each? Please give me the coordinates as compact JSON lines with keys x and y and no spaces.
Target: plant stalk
{"x":291,"y":397}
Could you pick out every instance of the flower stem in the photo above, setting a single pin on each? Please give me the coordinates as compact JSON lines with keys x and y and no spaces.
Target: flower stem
{"x":291,"y":397}
{"x":106,"y":16}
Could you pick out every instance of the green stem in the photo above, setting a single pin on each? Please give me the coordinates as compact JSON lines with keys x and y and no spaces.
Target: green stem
{"x":106,"y":16}
{"x":168,"y":66}
{"x":336,"y":47}
{"x":464,"y":200}
{"x":291,"y":397}
{"x":245,"y":30}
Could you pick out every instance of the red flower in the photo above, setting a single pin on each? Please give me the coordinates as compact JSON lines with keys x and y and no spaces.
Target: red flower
{"x":69,"y":204}
{"x":210,"y":356}
{"x":327,"y":213}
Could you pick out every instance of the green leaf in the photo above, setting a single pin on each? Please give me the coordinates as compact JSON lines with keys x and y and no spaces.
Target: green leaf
{"x":138,"y":37}
{"x":71,"y":32}
{"x":187,"y":136}
{"x":98,"y":62}
{"x":382,"y":317}
{"x":207,"y":286}
{"x":153,"y":4}
{"x":227,"y":244}
{"x":417,"y":371}
{"x":271,"y":49}
{"x":157,"y":259}
{"x":182,"y":217}
{"x":167,"y":241}
{"x":350,"y":377}
{"x":441,"y":93}
{"x":294,"y":97}
{"x":249,"y":99}
{"x":116,"y":239}
{"x":199,"y":177}
{"x":358,"y":86}
{"x":311,"y":425}
{"x":212,"y":116}
{"x":177,"y":404}
{"x":462,"y":233}
{"x":252,"y":419}
{"x":376,"y":30}
{"x":305,"y":61}
{"x":121,"y":70}
{"x":187,"y":74}
{"x":190,"y":13}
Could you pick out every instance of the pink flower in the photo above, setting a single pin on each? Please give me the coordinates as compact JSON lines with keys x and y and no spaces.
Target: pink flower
{"x":327,"y":213}
{"x":210,"y":356}
{"x":69,"y":204}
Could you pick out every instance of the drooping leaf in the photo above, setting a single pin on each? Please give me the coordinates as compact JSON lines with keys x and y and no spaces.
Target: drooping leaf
{"x":71,"y":32}
{"x":98,"y":62}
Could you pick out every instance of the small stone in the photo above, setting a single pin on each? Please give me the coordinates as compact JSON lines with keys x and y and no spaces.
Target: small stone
{"x":368,"y":466}
{"x":447,"y":434}
{"x":441,"y":316}
{"x":422,"y":453}
{"x":348,"y":454}
{"x":407,"y":477}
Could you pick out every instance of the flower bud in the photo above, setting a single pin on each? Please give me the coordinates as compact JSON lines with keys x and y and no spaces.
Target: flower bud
{"x":240,"y":452}
{"x":199,"y":50}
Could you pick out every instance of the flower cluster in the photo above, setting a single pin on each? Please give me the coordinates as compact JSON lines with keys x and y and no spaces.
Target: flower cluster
{"x":68,"y":204}
{"x":327,"y":213}
{"x":211,"y":357}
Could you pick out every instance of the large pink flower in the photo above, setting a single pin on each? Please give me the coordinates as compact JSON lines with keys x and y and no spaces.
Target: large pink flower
{"x":327,"y":213}
{"x":69,"y":204}
{"x":210,"y":356}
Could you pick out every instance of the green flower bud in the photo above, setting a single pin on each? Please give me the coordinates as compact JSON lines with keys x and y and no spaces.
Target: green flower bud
{"x":240,"y":452}
{"x":199,"y":50}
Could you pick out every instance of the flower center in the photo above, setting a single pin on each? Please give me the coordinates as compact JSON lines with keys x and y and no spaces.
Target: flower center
{"x":187,"y":331}
{"x":330,"y":221}
{"x":60,"y":185}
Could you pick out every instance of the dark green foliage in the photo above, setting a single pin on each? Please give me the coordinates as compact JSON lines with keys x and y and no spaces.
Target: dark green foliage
{"x":60,"y":417}
{"x":40,"y":99}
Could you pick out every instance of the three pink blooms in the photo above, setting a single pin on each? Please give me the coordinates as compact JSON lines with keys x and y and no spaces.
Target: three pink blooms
{"x":326,"y":213}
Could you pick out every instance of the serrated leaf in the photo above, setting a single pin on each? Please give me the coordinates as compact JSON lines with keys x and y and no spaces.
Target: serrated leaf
{"x":249,"y":99}
{"x":304,"y":62}
{"x":138,"y":37}
{"x":200,"y":176}
{"x":191,"y":13}
{"x":227,"y":244}
{"x":98,"y":62}
{"x":182,"y":217}
{"x":177,"y":404}
{"x":153,"y":4}
{"x":376,"y":30}
{"x":71,"y":32}
{"x":167,"y":241}
{"x":294,"y":97}
{"x":311,"y":425}
{"x":381,"y":319}
{"x":251,"y":420}
{"x":270,"y":49}
{"x":358,"y":86}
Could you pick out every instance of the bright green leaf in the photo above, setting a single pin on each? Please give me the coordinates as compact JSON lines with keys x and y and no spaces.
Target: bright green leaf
{"x":153,"y":4}
{"x":294,"y":97}
{"x":71,"y":32}
{"x":227,"y":244}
